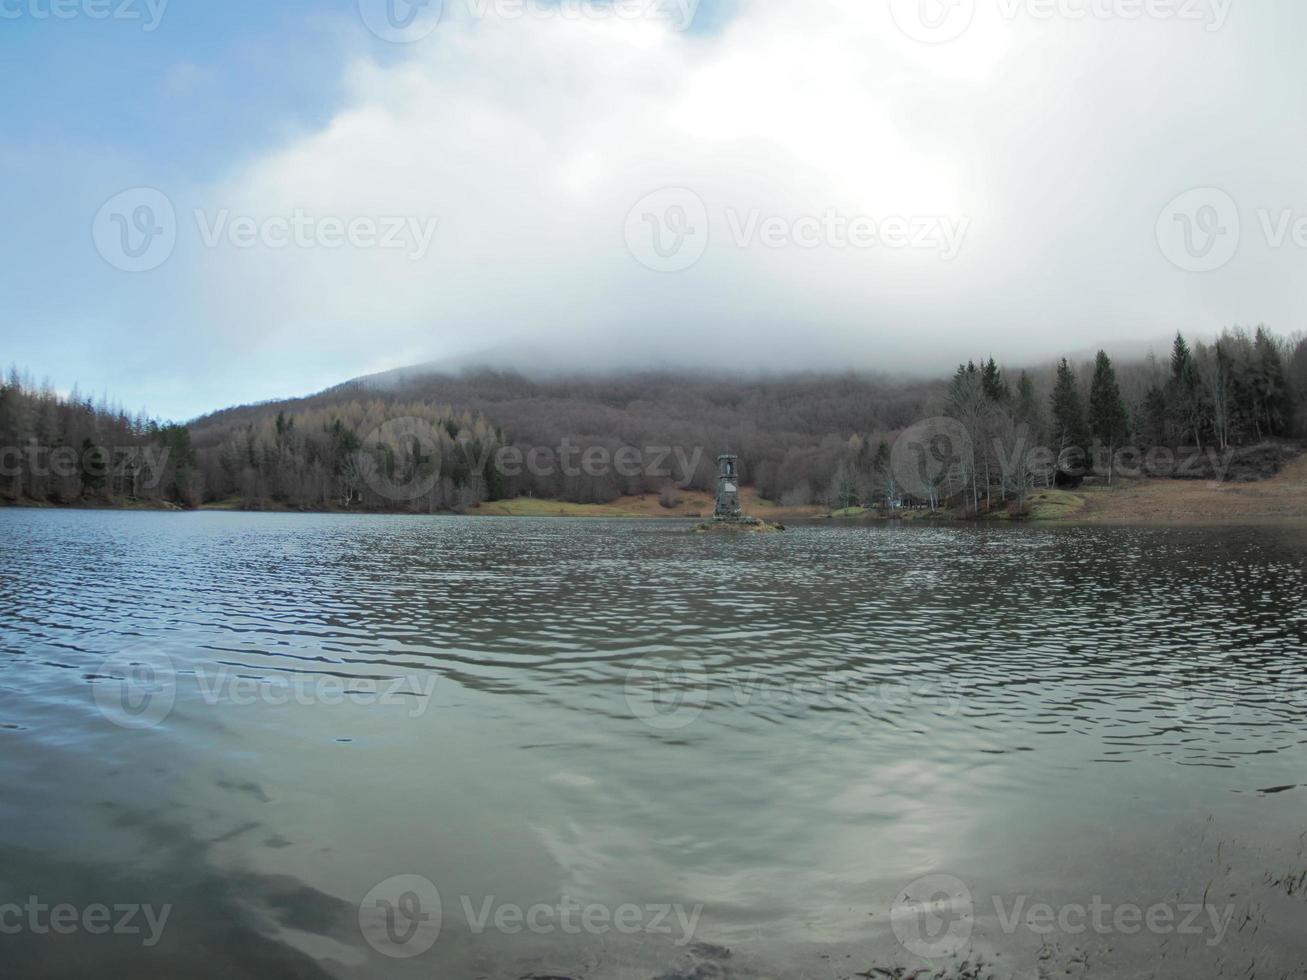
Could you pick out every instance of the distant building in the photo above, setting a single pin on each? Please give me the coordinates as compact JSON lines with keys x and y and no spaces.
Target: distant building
{"x":728,"y":489}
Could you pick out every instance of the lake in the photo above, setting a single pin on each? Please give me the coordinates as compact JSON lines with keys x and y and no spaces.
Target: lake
{"x":266,"y":745}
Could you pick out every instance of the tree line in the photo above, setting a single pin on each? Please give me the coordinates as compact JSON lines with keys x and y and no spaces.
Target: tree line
{"x":68,"y":448}
{"x":1064,"y":424}
{"x":426,"y":442}
{"x":790,"y":433}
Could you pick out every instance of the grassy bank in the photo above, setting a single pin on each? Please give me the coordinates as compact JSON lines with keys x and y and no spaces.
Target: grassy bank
{"x":1160,"y":502}
{"x":1281,"y":498}
{"x":690,"y":504}
{"x":1175,"y":502}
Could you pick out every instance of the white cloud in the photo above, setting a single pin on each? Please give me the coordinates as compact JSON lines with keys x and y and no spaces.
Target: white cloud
{"x":530,"y":139}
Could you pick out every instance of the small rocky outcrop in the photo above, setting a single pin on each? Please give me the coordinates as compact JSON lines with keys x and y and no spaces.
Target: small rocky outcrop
{"x":739,"y":525}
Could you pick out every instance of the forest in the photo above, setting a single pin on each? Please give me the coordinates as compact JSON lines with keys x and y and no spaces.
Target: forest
{"x":427,"y":442}
{"x":70,"y":449}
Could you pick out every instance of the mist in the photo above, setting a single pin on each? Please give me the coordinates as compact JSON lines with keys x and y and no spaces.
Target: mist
{"x":797,"y":186}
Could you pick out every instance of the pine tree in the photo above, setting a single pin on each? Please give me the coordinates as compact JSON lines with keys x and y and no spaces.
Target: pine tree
{"x":1180,"y":358}
{"x":1108,"y":420}
{"x":1272,"y":390}
{"x":991,"y":379}
{"x":1183,"y":396}
{"x":1028,"y":412}
{"x":1153,"y":426}
{"x":1069,"y":429}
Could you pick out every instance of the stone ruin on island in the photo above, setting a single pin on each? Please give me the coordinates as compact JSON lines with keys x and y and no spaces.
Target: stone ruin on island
{"x":728,"y":514}
{"x":728,"y":509}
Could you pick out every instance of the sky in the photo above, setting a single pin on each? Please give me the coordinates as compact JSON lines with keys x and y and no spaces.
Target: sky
{"x":214,"y":203}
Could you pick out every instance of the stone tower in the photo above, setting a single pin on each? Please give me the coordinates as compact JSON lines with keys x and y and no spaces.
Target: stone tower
{"x":728,"y":489}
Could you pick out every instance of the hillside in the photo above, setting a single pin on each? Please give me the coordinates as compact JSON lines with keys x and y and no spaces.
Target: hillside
{"x":423,"y":440}
{"x":789,"y":430}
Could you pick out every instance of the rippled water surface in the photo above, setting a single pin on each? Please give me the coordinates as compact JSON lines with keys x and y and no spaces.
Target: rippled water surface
{"x":804,"y":755}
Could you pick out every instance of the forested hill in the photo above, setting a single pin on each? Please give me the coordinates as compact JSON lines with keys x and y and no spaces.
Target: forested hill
{"x":802,"y":438}
{"x":790,"y":430}
{"x":422,"y":440}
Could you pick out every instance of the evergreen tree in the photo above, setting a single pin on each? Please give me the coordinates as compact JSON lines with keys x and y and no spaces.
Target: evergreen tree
{"x":1108,"y":419}
{"x":1069,"y":429}
{"x":1028,"y":412}
{"x":1152,"y":427}
{"x":991,"y":379}
{"x":1272,"y":390}
{"x":1183,"y":396}
{"x":1181,"y":358}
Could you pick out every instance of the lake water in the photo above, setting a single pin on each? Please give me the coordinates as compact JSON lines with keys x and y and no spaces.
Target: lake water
{"x":335,"y":746}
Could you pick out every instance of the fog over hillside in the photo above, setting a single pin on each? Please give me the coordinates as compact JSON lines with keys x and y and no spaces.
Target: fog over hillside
{"x":803,"y":436}
{"x":781,"y":186}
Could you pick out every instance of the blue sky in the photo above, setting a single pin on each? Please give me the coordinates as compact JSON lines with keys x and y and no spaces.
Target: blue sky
{"x":103,"y":104}
{"x":95,"y":105}
{"x":1035,"y":158}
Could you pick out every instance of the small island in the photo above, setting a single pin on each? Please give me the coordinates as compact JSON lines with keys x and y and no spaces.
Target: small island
{"x":729,"y":516}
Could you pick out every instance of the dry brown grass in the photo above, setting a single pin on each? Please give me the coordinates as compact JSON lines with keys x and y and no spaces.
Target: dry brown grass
{"x":694,"y":503}
{"x":1283,"y":498}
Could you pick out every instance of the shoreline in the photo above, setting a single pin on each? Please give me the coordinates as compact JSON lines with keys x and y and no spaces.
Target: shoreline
{"x":1144,"y":503}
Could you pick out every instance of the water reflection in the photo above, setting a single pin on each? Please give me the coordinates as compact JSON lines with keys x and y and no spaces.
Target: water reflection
{"x":783,"y":732}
